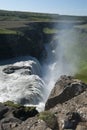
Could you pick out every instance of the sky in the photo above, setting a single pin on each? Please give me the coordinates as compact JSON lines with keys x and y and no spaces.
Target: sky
{"x":63,"y":7}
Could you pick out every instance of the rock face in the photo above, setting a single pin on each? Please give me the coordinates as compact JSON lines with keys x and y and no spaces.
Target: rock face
{"x":68,"y":100}
{"x":65,"y":89}
{"x":27,"y":41}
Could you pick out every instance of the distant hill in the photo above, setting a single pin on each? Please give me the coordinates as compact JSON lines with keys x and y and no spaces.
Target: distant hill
{"x":26,"y":16}
{"x":32,"y":16}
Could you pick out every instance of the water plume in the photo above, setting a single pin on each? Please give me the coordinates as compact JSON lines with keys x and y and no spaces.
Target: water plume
{"x":62,"y":56}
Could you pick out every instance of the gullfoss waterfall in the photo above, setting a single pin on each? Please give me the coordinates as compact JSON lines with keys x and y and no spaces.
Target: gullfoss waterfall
{"x":25,"y":81}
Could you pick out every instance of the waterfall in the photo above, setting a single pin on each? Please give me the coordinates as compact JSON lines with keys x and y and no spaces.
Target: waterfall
{"x":24,"y":80}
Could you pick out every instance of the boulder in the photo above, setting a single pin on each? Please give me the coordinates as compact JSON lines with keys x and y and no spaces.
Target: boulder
{"x":3,"y":110}
{"x":7,"y":120}
{"x":71,"y":120}
{"x":68,"y":100}
{"x":23,"y":113}
{"x":9,"y":123}
{"x":65,"y":89}
{"x":12,"y":69}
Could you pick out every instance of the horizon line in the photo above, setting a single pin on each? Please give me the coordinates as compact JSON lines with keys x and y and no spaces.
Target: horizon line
{"x":27,"y":11}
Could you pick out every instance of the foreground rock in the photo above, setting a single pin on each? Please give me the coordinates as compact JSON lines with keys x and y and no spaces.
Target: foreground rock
{"x":16,"y":117}
{"x":65,"y":89}
{"x":43,"y":121}
{"x":33,"y":124}
{"x":68,"y":100}
{"x":11,"y":115}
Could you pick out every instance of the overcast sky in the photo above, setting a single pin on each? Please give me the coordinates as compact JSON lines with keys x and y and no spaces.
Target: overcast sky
{"x":70,"y":7}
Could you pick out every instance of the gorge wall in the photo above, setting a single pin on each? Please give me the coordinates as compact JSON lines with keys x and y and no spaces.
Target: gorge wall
{"x":28,"y":41}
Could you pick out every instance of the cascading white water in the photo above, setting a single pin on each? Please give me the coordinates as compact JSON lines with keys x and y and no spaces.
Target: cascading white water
{"x":20,"y":81}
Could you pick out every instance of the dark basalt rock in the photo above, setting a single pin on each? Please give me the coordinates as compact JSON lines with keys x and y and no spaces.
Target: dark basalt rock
{"x":12,"y":69}
{"x":28,"y":42}
{"x":71,"y":120}
{"x":3,"y":110}
{"x":23,"y":113}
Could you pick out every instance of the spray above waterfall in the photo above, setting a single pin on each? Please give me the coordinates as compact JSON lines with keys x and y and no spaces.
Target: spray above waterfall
{"x":62,"y":56}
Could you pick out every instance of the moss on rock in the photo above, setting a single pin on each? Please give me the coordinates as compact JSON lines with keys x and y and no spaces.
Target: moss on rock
{"x":49,"y":118}
{"x":21,"y":112}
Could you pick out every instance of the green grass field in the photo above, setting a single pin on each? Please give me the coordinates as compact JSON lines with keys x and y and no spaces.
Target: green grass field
{"x":6,"y":31}
{"x":82,"y":42}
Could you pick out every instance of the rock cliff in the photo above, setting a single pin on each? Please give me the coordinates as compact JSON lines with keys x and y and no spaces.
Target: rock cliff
{"x":28,"y":40}
{"x":68,"y":101}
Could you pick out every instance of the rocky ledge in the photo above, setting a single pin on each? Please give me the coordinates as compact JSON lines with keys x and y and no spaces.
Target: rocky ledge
{"x":11,"y":115}
{"x":68,"y":100}
{"x":65,"y":109}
